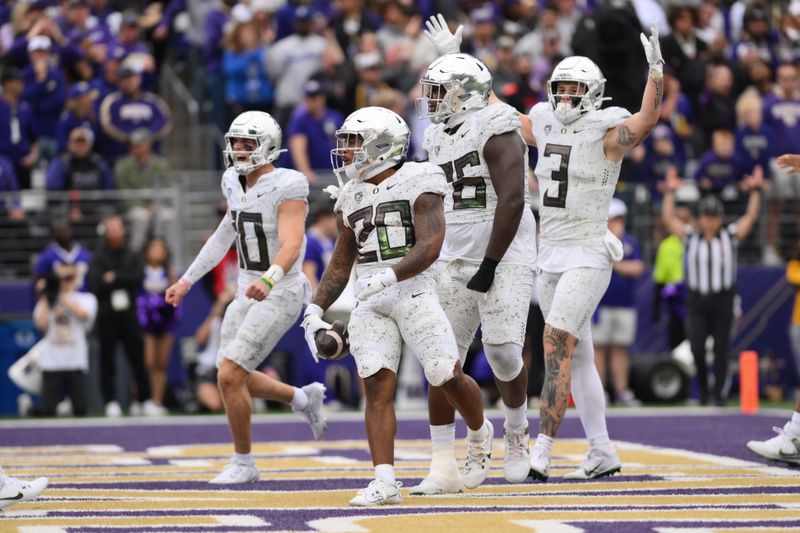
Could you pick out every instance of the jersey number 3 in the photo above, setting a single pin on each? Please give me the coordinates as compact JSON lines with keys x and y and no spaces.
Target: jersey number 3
{"x":561,"y":175}
{"x":241,"y":222}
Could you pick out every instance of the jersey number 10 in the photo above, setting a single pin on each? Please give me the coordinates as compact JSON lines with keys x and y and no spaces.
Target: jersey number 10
{"x":241,"y":222}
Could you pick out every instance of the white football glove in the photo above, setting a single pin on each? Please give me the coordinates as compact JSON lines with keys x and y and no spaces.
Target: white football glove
{"x":652,"y":49}
{"x":439,"y":34}
{"x":312,"y":323}
{"x":377,"y":282}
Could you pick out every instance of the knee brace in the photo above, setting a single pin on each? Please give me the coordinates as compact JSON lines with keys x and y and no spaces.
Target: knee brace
{"x":505,"y":360}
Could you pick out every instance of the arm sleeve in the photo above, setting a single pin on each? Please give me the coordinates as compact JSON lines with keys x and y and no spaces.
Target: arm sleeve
{"x":213,"y":250}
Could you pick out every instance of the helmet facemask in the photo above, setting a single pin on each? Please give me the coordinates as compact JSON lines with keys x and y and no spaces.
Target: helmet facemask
{"x":585,"y":90}
{"x":454,"y":86}
{"x":439,"y":101}
{"x":259,"y":137}
{"x":361,"y":155}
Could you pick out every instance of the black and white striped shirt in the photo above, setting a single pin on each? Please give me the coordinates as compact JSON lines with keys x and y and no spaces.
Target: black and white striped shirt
{"x":710,"y":266}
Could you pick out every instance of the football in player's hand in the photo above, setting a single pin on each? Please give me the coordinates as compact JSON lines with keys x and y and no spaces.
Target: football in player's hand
{"x":333,"y":343}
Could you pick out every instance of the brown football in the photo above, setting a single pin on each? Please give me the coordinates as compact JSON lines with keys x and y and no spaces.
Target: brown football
{"x":333,"y":343}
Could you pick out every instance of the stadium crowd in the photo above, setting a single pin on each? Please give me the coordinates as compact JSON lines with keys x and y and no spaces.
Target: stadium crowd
{"x":80,"y":110}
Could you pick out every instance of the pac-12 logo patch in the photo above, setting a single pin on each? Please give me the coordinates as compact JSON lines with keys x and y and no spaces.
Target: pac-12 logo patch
{"x":358,"y":197}
{"x":547,"y":129}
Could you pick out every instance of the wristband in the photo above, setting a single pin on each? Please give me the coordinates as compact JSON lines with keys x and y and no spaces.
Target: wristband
{"x":185,"y":282}
{"x":272,"y":276}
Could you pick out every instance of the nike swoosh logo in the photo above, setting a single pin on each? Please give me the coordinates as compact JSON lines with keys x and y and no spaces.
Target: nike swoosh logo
{"x":418,"y":294}
{"x":19,"y":496}
{"x":392,"y":185}
{"x":576,"y":131}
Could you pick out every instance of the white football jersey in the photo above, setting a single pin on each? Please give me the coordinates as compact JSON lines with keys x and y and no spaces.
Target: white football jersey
{"x":471,"y":196}
{"x":576,"y":181}
{"x":382,"y":216}
{"x":254,"y":214}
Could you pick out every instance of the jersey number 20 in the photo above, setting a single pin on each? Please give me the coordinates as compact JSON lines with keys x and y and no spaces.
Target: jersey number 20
{"x":561,"y":175}
{"x":242,"y":221}
{"x":387,"y":251}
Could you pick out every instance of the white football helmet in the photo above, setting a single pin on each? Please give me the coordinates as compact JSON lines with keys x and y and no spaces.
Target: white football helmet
{"x":453,"y":86}
{"x":585,"y":72}
{"x":256,"y":126}
{"x":371,"y":140}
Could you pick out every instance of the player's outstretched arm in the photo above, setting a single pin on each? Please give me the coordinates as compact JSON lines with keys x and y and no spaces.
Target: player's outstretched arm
{"x":623,"y":138}
{"x":337,"y":273}
{"x":668,"y":217}
{"x":209,"y":256}
{"x":747,"y":222}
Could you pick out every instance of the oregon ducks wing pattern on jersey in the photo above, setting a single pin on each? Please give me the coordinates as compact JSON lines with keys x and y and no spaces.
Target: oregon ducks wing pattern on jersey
{"x":382,"y":216}
{"x":471,"y":196}
{"x":254,"y":215}
{"x":576,"y":181}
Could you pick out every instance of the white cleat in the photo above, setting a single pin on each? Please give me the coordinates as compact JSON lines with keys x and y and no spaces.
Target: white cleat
{"x":235,"y":473}
{"x":598,"y":463}
{"x":17,"y":491}
{"x":479,"y":460}
{"x":378,"y":492}
{"x":783,"y":447}
{"x":314,"y":412}
{"x":113,"y":410}
{"x":517,"y":458}
{"x":439,"y":483}
{"x":540,"y":464}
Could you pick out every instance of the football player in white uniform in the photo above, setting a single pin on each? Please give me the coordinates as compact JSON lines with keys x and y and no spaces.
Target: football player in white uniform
{"x":486,"y":267}
{"x":267,"y":208}
{"x":580,"y":152}
{"x":391,"y":223}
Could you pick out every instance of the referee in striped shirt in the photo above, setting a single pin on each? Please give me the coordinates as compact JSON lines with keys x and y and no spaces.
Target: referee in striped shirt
{"x":710,"y":267}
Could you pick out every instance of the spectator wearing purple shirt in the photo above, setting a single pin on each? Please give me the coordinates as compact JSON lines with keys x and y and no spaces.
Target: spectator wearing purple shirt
{"x":615,"y":329}
{"x":79,"y":168}
{"x":720,"y":169}
{"x":311,"y":133}
{"x":79,"y":112}
{"x":45,"y":91}
{"x":63,"y":251}
{"x":10,"y":204}
{"x":782,"y":115}
{"x":320,"y":238}
{"x":212,"y":57}
{"x":662,"y":150}
{"x":129,"y":109}
{"x":16,"y":127}
{"x":753,"y":138}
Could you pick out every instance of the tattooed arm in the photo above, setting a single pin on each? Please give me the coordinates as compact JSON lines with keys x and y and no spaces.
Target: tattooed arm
{"x":623,"y":138}
{"x":337,"y":273}
{"x":428,"y":234}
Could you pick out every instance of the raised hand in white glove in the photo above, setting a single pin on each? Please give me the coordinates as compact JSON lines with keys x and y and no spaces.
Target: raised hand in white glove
{"x":439,"y":34}
{"x":652,"y":49}
{"x":312,"y":322}
{"x":377,"y":282}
